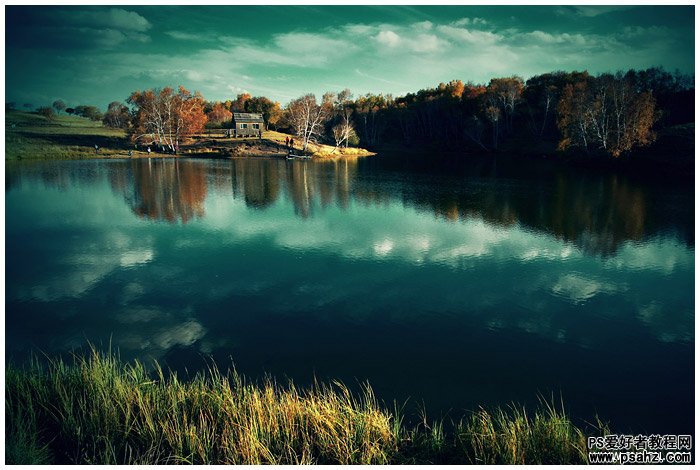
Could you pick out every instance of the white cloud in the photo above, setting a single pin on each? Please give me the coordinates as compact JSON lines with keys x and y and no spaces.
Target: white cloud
{"x":541,"y":36}
{"x":469,"y":35}
{"x":359,"y":29}
{"x":423,"y":26}
{"x":469,"y":21}
{"x":416,"y":43}
{"x":388,"y":38}
{"x":184,"y":36}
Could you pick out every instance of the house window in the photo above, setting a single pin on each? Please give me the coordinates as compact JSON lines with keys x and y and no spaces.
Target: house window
{"x":244,"y":126}
{"x":256,"y":126}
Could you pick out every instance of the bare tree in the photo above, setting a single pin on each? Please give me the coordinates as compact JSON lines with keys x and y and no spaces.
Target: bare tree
{"x":344,"y":130}
{"x":307,"y":118}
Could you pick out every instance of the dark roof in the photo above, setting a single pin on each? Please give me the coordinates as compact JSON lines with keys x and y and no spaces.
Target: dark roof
{"x":248,"y":117}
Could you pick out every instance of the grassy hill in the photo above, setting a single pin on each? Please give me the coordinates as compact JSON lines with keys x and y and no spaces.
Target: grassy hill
{"x":31,"y":136}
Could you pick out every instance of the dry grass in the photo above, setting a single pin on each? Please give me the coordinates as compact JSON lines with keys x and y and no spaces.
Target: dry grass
{"x":98,"y":410}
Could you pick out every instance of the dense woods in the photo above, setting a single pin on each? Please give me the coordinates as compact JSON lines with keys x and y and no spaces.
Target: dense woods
{"x":559,"y":112}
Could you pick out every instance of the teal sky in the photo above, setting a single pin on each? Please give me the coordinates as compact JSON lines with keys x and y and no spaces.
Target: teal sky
{"x":95,"y":55}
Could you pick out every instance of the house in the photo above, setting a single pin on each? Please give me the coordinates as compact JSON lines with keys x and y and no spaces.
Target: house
{"x":247,"y":124}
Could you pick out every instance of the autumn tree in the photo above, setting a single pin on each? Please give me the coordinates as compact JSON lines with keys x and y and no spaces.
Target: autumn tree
{"x":506,"y":92}
{"x":270,"y":110}
{"x":370,"y":117}
{"x":307,"y":118}
{"x":219,"y":114}
{"x":167,"y":116}
{"x":605,"y":114}
{"x":117,"y":115}
{"x":241,"y":103}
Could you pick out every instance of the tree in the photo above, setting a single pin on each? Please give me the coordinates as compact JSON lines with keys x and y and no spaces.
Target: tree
{"x":240,"y":105}
{"x":606,"y":114}
{"x":27,"y":106}
{"x":10,"y":106}
{"x":307,"y":118}
{"x":506,"y":92}
{"x":70,"y":111}
{"x":338,"y":107}
{"x":47,"y":112}
{"x":344,"y":132}
{"x":59,"y":106}
{"x":90,"y":112}
{"x":493,"y":114}
{"x":117,"y":116}
{"x":166,"y":115}
{"x":369,"y":114}
{"x":219,"y":114}
{"x":270,"y":110}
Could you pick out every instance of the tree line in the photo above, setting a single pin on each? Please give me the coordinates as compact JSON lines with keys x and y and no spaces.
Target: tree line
{"x":607,"y":114}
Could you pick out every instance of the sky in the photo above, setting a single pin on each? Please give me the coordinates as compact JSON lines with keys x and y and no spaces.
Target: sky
{"x":95,"y":55}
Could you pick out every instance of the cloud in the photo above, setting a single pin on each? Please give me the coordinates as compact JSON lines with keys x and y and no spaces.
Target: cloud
{"x":114,"y":18}
{"x":417,"y":43}
{"x":469,"y":21}
{"x":389,"y":38}
{"x":470,"y":36}
{"x":548,"y":38}
{"x":311,"y":43}
{"x":185,"y":36}
{"x":290,"y":49}
{"x":422,"y":26}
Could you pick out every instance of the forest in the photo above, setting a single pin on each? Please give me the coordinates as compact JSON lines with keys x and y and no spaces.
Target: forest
{"x":558,"y":113}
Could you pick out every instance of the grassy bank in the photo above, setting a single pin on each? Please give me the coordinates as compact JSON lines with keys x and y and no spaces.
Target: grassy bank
{"x":31,"y":136}
{"x":98,"y":410}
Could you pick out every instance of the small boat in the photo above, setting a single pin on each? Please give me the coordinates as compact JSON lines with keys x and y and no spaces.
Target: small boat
{"x":291,"y":156}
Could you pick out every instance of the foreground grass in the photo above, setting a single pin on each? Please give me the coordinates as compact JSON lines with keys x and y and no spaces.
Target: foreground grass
{"x":98,"y":410}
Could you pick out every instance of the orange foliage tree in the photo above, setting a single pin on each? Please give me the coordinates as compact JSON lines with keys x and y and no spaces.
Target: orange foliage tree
{"x":167,"y":116}
{"x":219,"y":114}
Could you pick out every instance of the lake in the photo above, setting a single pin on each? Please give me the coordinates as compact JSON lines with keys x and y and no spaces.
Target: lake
{"x":484,"y":283}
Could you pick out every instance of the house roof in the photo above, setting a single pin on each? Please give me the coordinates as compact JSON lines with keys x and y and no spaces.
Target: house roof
{"x":248,"y":117}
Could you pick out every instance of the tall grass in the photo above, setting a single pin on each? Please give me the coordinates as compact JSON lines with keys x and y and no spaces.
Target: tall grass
{"x":99,"y":410}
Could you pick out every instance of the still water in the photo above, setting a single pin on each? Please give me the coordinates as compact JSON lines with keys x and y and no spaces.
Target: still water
{"x":478,"y":285}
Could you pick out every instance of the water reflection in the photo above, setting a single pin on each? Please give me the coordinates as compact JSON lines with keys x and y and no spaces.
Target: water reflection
{"x":424,"y":284}
{"x":598,"y":214}
{"x":163,"y":189}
